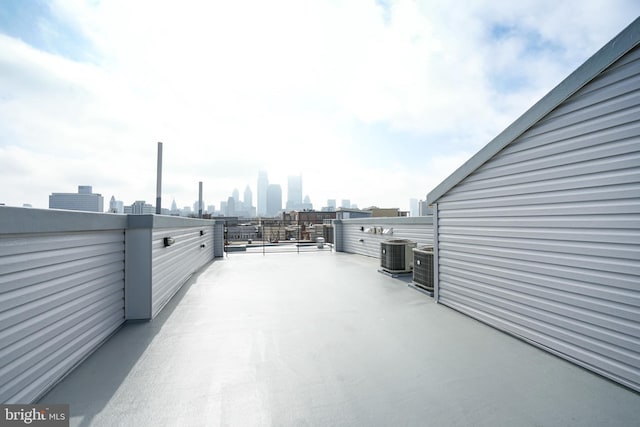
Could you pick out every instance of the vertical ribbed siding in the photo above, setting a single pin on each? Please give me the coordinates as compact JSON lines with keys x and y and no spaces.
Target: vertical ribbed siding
{"x":61,"y":296}
{"x":355,"y":240}
{"x":173,"y":265}
{"x":543,"y":240}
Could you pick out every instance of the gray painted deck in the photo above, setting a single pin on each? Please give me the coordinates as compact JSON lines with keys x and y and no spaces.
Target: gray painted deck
{"x":319,"y":339}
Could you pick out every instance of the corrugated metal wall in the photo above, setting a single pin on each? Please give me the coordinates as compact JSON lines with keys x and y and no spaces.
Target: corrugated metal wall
{"x":61,"y":296}
{"x":354,"y":237}
{"x":543,"y":240}
{"x":173,"y":265}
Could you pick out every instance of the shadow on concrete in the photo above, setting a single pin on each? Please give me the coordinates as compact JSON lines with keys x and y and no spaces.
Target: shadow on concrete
{"x":99,"y":376}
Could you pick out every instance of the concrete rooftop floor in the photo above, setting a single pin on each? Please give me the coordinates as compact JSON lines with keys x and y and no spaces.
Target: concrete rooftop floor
{"x":323,"y":339}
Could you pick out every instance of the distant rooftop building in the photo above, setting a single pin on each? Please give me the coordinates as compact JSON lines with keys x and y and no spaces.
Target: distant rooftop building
{"x":83,"y":200}
{"x":424,"y":209}
{"x":311,"y":217}
{"x":139,"y":207}
{"x":386,"y":212}
{"x":352,"y":213}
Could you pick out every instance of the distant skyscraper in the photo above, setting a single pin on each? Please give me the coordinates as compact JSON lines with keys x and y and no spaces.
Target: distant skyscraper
{"x":294,"y":192}
{"x":83,"y":200}
{"x":248,"y":198}
{"x":231,"y":206}
{"x":274,"y":199}
{"x":174,"y":207}
{"x":116,"y":206}
{"x":345,"y":203}
{"x":263,"y":184}
{"x":331,"y":204}
{"x":236,"y":195}
{"x":248,"y":202}
{"x":413,"y":207}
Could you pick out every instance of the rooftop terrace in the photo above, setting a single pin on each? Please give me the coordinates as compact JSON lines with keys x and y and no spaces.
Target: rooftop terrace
{"x":321,"y":338}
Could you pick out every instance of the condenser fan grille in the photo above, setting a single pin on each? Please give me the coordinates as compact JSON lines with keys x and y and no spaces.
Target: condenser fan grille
{"x":423,"y":268}
{"x":396,"y":255}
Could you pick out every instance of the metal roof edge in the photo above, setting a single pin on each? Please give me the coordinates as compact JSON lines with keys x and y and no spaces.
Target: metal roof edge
{"x":626,"y":40}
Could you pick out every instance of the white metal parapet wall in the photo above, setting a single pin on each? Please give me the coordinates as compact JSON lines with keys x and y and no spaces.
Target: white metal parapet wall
{"x":363,"y":235}
{"x":64,"y":281}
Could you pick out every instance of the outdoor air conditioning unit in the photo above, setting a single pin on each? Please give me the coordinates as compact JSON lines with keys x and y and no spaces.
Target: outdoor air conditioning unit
{"x":396,"y":255}
{"x":423,"y":268}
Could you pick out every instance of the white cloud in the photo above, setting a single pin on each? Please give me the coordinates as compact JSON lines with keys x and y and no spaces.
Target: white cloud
{"x":233,"y":87}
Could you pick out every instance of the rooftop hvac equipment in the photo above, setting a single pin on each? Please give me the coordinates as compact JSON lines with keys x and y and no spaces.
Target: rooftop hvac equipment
{"x":396,"y":255}
{"x":423,"y":268}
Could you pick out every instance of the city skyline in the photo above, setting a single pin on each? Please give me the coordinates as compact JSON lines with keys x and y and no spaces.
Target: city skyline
{"x":244,"y":206}
{"x":378,"y":110}
{"x":234,"y":193}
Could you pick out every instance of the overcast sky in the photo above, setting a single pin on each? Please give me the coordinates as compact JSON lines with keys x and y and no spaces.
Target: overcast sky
{"x":372,"y":101}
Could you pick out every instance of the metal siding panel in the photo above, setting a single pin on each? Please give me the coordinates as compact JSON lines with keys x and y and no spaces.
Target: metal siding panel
{"x":627,"y":175}
{"x":416,"y":229}
{"x":436,"y":252}
{"x":624,"y":70}
{"x":543,"y":240}
{"x":546,"y":164}
{"x":173,"y":265}
{"x":575,"y":327}
{"x":16,"y":295}
{"x":592,"y":194}
{"x":590,"y":249}
{"x":575,"y":348}
{"x":623,"y":303}
{"x":587,"y":276}
{"x":603,"y":222}
{"x":61,"y":296}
